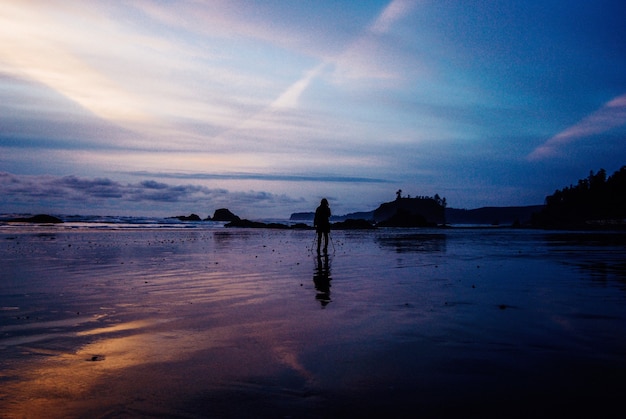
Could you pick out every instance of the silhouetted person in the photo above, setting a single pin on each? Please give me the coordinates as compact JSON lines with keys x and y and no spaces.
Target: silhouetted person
{"x":322,"y":224}
{"x":321,"y":279}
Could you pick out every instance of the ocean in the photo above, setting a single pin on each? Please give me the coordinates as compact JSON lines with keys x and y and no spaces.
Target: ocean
{"x":145,"y":317}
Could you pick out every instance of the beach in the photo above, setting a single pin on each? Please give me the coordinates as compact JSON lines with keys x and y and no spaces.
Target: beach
{"x":198,"y":320}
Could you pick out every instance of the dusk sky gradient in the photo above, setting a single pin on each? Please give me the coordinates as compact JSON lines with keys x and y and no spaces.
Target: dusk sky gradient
{"x":150,"y":107}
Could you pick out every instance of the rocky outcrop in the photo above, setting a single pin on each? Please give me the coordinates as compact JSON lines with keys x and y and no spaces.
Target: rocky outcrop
{"x":405,"y":218}
{"x":223,"y":214}
{"x":191,"y":217}
{"x":410,"y":212}
{"x":38,"y":219}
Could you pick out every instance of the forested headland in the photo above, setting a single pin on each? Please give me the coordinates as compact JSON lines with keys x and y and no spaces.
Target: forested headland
{"x":596,"y":201}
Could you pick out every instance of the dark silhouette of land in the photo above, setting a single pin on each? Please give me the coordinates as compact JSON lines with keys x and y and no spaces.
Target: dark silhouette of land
{"x":224,"y":214}
{"x":37,"y":219}
{"x":402,"y":212}
{"x":428,"y":212}
{"x":595,"y":202}
{"x":502,"y":216}
{"x":191,"y":217}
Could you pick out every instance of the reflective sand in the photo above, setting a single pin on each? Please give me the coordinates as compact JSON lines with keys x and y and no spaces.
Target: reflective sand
{"x":214,"y":322}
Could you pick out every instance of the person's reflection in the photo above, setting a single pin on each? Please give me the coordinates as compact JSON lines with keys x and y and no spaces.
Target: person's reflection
{"x":321,"y":279}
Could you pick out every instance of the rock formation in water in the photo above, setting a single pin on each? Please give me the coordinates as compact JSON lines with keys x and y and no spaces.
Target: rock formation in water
{"x":411,"y":212}
{"x":191,"y":217}
{"x":224,"y":214}
{"x":38,"y":219}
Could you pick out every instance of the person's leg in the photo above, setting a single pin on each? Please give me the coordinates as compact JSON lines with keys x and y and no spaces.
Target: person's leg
{"x":326,"y":242}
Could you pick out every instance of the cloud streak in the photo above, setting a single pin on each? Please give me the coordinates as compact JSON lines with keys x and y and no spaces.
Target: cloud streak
{"x":263,"y":176}
{"x":28,"y":49}
{"x":350,"y":56}
{"x":611,"y":115}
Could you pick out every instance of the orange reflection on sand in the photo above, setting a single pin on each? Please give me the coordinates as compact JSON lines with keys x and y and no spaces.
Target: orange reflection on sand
{"x":92,"y":377}
{"x":146,"y":361}
{"x":137,"y":324}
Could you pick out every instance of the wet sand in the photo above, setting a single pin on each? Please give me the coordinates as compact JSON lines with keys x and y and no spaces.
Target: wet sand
{"x":213,"y":322}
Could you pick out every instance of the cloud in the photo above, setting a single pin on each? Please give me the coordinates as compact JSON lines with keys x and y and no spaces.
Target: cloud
{"x":394,"y":11}
{"x":371,"y":56}
{"x":161,"y":74}
{"x":362,"y":58}
{"x":289,"y":98}
{"x":73,"y":190}
{"x":148,"y":78}
{"x":611,"y":115}
{"x":353,"y":55}
{"x":34,"y":45}
{"x":262,"y":176}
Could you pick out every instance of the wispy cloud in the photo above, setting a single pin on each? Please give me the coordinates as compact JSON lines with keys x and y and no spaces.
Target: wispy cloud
{"x":359,"y":54}
{"x":36,"y":46}
{"x":289,"y":98}
{"x":611,"y":115}
{"x":394,"y":11}
{"x":369,"y":57}
{"x":152,"y":79}
{"x":358,"y":58}
{"x":262,"y":176}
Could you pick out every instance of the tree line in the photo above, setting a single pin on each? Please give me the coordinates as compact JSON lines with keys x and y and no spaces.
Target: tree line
{"x":595,"y":200}
{"x":439,"y":200}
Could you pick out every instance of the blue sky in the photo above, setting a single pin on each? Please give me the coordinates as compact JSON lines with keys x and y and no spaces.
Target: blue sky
{"x":170,"y":107}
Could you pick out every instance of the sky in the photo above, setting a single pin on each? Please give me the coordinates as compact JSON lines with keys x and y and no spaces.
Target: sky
{"x":162,"y":108}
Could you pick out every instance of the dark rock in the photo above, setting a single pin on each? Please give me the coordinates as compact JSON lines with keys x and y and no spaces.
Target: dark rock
{"x":411,"y":212}
{"x":245,"y":224}
{"x":224,"y":214}
{"x":192,"y":217}
{"x":40,"y":218}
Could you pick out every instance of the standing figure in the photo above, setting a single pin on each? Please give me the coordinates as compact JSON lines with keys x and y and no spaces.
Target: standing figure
{"x":322,"y":224}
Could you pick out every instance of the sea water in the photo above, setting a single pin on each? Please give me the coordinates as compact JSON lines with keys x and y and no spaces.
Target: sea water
{"x":194,"y":319}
